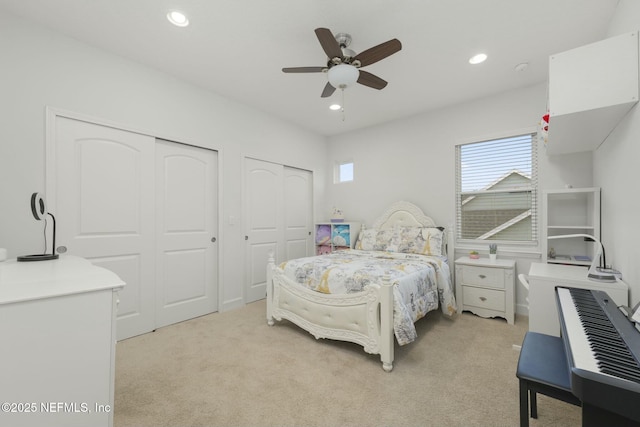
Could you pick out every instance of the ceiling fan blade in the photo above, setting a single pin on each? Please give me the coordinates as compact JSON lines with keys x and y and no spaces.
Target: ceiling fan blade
{"x":378,"y":52}
{"x":328,"y":90}
{"x":304,"y":69}
{"x":371,"y":80}
{"x":328,"y":43}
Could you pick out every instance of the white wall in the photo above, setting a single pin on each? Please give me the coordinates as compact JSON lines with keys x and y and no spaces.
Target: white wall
{"x":414,"y":160}
{"x":410,"y":159}
{"x":616,"y":164}
{"x":40,"y":68}
{"x":390,"y":164}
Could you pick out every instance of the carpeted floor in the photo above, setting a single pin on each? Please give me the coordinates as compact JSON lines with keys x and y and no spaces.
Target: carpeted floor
{"x":231,"y":369}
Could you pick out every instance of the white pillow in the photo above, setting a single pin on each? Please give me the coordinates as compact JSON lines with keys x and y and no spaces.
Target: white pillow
{"x":414,"y":240}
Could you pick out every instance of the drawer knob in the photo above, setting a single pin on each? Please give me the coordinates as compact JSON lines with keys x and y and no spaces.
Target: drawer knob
{"x":483,"y":299}
{"x":482,"y":276}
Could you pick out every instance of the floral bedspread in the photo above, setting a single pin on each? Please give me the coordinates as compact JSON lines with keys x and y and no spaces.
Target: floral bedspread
{"x":421,"y":283}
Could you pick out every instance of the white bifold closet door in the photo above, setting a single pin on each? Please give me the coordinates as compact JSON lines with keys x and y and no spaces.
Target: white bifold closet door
{"x":147,"y":211}
{"x":278,"y":206}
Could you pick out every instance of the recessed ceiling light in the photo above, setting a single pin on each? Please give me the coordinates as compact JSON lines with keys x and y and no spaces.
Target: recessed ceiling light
{"x":334,"y":107}
{"x":177,"y":18}
{"x":477,"y":59}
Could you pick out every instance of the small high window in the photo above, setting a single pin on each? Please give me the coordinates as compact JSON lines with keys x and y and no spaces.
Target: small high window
{"x":344,"y":172}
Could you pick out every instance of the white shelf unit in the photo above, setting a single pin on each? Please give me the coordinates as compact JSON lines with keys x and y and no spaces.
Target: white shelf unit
{"x":591,"y":88}
{"x":333,"y":236}
{"x":570,"y":211}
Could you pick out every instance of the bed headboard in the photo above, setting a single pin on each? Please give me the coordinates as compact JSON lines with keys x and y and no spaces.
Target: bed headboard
{"x":406,"y":214}
{"x":403,"y":214}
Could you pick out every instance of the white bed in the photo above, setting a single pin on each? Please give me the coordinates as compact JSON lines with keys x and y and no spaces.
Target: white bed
{"x":365,"y":315}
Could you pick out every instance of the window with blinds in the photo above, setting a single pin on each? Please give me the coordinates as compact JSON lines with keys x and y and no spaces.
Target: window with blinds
{"x":496,"y":183}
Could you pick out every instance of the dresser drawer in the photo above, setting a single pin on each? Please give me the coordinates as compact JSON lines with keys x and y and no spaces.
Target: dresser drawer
{"x":483,"y":276}
{"x":491,"y":299}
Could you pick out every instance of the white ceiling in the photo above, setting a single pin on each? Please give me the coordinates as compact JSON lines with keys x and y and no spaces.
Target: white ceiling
{"x":237,"y":48}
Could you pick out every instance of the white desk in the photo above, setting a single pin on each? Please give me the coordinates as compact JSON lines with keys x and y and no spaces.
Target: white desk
{"x":543,"y":279}
{"x":57,"y":329}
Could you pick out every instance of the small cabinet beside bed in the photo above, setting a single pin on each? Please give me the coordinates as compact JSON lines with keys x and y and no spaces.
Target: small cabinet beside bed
{"x":486,"y":288}
{"x":334,"y":236}
{"x":397,"y":272}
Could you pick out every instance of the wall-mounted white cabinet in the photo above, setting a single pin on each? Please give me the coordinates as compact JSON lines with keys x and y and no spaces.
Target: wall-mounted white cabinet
{"x":590,"y":89}
{"x":570,"y":211}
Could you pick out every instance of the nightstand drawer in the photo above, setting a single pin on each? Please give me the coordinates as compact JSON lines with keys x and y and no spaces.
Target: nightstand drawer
{"x":483,"y":276}
{"x":484,"y":298}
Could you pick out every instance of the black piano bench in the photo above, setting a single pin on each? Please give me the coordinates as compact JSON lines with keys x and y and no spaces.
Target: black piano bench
{"x":542,"y":368}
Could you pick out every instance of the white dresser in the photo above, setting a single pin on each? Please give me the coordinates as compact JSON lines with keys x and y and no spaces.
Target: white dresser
{"x":486,"y":287}
{"x":57,"y":329}
{"x":543,"y":280}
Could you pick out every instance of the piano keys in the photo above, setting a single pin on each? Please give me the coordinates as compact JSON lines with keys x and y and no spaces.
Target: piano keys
{"x":603,"y":351}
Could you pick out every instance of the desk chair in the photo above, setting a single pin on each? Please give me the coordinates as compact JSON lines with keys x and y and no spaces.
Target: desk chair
{"x":542,"y":368}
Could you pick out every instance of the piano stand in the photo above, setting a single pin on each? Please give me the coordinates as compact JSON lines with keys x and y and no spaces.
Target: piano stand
{"x":542,"y":368}
{"x":592,"y":416}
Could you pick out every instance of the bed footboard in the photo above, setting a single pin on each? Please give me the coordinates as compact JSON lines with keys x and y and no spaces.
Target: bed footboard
{"x":364,"y":318}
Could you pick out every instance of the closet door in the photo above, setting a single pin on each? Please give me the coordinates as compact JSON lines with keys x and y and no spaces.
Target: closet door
{"x":144,"y":210}
{"x":278,"y":215}
{"x":186,"y":232}
{"x":263,"y":213}
{"x":298,"y":212}
{"x":102,"y":196}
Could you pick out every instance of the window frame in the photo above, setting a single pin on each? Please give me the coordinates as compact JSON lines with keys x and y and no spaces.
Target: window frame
{"x":337,"y":171}
{"x":533,"y":189}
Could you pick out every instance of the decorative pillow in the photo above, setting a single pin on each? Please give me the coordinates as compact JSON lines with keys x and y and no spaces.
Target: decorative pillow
{"x":366,"y":239}
{"x":384,"y":241}
{"x":323,"y":249}
{"x":341,"y":235}
{"x":414,"y":240}
{"x":420,"y":240}
{"x":323,"y":234}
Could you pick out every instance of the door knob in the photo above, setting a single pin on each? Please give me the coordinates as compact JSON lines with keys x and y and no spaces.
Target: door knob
{"x":213,"y":239}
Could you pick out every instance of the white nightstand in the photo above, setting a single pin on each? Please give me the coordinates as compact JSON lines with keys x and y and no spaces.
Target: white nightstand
{"x":485,"y":287}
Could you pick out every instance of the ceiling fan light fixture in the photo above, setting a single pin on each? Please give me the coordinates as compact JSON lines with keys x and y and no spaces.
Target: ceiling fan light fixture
{"x":335,"y":107}
{"x":177,"y":18}
{"x":343,"y":75}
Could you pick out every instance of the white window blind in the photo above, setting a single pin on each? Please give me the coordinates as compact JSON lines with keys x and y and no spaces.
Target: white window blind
{"x":496,"y":183}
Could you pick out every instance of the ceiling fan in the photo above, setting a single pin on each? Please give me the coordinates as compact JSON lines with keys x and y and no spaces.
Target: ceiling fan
{"x":343,"y":65}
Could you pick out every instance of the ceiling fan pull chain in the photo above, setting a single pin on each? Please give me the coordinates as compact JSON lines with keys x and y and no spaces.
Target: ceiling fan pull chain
{"x":342,"y":109}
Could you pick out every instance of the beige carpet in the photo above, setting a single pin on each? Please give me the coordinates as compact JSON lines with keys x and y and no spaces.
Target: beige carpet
{"x":231,"y":369}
